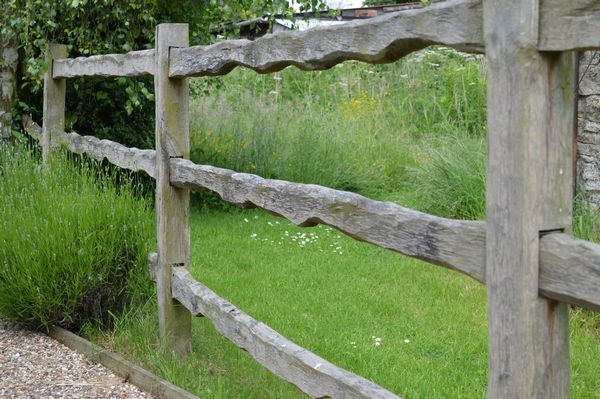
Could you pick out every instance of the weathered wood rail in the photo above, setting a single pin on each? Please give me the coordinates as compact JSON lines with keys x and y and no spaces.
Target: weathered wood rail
{"x":569,"y":267}
{"x":524,"y":253}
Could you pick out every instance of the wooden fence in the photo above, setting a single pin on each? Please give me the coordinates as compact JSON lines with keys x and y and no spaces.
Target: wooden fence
{"x":532,"y":266}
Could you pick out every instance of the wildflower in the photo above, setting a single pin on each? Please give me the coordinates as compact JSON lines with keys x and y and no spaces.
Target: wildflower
{"x":407,"y":341}
{"x":245,"y":220}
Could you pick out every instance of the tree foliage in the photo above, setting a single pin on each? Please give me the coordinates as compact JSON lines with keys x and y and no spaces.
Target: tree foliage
{"x":121,"y":109}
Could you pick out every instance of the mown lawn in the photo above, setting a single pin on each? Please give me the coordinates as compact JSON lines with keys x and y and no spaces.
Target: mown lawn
{"x":336,"y":297}
{"x":412,"y":132}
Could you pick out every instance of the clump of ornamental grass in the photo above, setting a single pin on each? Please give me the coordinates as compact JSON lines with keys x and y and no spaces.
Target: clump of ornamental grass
{"x":450,"y":181}
{"x":73,"y":242}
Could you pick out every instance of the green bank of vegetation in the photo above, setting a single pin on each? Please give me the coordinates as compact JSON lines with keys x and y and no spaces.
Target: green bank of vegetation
{"x":72,"y":241}
{"x":411,"y":132}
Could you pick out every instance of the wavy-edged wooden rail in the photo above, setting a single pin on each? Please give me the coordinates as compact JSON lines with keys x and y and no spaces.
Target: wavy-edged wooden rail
{"x":569,"y":271}
{"x":570,"y":267}
{"x":312,"y":374}
{"x":384,"y":39}
{"x":124,"y":157}
{"x":569,"y":25}
{"x":32,"y":128}
{"x":456,"y":244}
{"x":573,"y":25}
{"x":134,"y":63}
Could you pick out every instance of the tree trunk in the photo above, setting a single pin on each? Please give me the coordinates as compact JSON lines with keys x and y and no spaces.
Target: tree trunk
{"x":8,"y":85}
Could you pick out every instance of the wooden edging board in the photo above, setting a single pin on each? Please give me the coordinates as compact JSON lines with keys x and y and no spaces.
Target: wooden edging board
{"x":134,"y":374}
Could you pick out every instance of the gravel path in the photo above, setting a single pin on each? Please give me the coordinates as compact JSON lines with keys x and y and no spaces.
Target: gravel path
{"x":33,"y":365}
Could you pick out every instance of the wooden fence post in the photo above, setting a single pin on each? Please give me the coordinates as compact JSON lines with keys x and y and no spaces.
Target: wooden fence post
{"x":172,"y":204}
{"x":529,"y":192}
{"x":54,"y":100}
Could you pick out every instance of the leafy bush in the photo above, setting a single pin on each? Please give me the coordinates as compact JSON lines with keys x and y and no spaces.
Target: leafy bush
{"x":73,"y":244}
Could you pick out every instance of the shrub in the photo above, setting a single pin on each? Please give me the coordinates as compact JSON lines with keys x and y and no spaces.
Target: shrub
{"x":72,"y":243}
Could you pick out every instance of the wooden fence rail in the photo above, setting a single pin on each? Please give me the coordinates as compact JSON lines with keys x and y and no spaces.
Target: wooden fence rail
{"x":569,"y":267}
{"x":134,"y":63}
{"x":524,"y":253}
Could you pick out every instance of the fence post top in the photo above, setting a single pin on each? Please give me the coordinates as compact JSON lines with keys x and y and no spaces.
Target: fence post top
{"x":170,"y":26}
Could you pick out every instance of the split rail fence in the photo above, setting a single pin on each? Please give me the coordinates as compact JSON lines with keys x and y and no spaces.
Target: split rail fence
{"x":532,"y":266}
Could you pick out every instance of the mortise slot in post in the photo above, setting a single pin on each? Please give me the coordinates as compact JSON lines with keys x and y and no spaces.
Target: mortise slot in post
{"x":551,"y":231}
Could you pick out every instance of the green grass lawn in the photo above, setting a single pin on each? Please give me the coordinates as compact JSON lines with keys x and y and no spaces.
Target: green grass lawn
{"x":336,"y":297}
{"x":411,"y":132}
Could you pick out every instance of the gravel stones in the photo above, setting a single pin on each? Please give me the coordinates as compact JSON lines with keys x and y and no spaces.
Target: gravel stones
{"x":33,"y":365}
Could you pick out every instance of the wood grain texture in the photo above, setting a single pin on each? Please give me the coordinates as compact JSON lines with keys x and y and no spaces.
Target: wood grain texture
{"x":54,"y":101}
{"x":124,"y":157}
{"x":384,"y":39}
{"x":134,"y":63}
{"x":569,"y":25}
{"x":529,"y":108}
{"x":455,"y":244}
{"x":152,"y":263}
{"x":136,"y":375}
{"x":172,"y":203}
{"x":570,"y":270}
{"x":31,"y":128}
{"x":313,"y":375}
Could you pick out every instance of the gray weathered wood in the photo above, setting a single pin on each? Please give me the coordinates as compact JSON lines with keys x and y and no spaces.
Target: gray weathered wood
{"x":134,"y":374}
{"x":134,"y":63}
{"x":54,"y":100}
{"x":172,"y":203}
{"x":124,"y":157}
{"x":115,"y":153}
{"x":569,"y":25}
{"x":152,"y":265}
{"x":456,"y":23}
{"x":313,"y":375}
{"x":530,"y":103}
{"x":455,"y":244}
{"x":31,"y":128}
{"x":570,"y":270}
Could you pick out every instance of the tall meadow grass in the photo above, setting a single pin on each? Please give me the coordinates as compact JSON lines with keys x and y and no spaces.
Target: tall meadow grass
{"x":355,"y":127}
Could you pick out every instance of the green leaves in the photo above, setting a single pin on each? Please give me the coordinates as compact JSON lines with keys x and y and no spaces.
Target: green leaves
{"x":90,"y":27}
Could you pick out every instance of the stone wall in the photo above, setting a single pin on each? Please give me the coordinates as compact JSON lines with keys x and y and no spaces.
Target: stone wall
{"x":588,"y":134}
